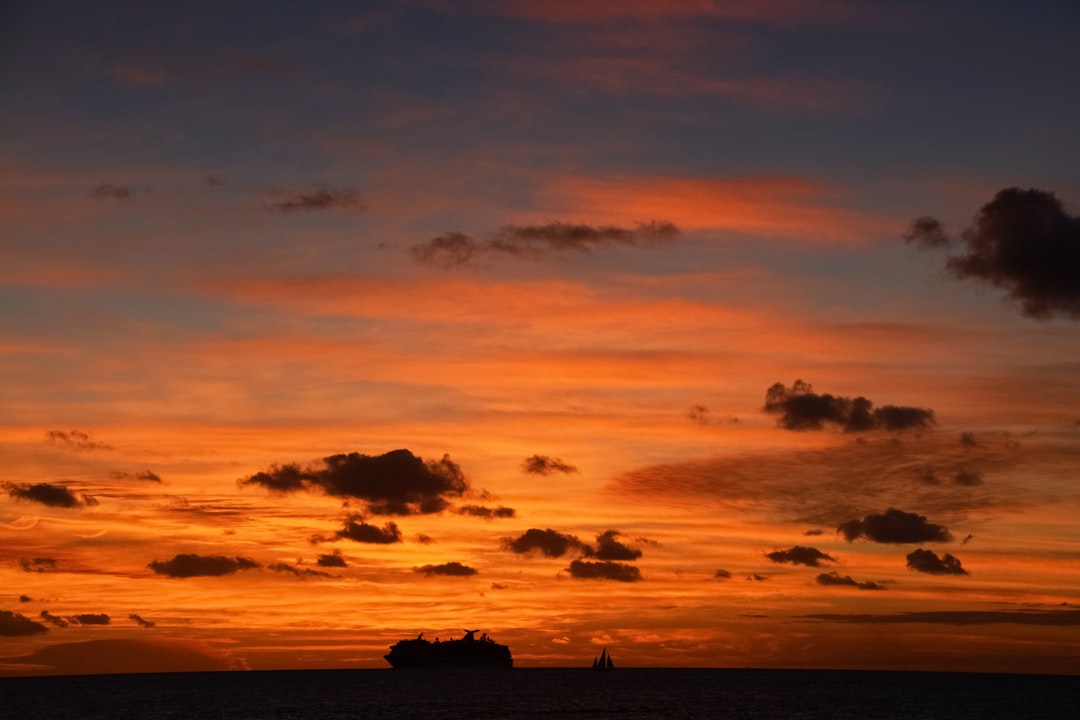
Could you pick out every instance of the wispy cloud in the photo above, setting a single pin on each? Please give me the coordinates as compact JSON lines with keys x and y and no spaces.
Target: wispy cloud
{"x":323,"y":197}
{"x":536,"y":241}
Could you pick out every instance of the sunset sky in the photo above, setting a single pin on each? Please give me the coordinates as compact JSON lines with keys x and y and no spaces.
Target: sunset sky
{"x":723,"y":334}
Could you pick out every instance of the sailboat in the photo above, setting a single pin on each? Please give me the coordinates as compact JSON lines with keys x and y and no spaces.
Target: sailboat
{"x":603,"y":663}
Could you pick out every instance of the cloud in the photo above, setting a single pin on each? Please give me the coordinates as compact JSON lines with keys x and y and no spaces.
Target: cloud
{"x":39,"y":564}
{"x":140,"y":76}
{"x":800,"y":408}
{"x":395,"y":483}
{"x":321,"y":198}
{"x":968,"y":479}
{"x":535,"y":241}
{"x":608,"y":548}
{"x":453,"y":569}
{"x":927,"y":561}
{"x":1050,"y":618}
{"x":423,"y":539}
{"x":56,"y":620}
{"x":486,"y":512}
{"x":698,"y":414}
{"x":17,"y":625}
{"x":118,"y":655}
{"x":48,"y":494}
{"x":332,"y":560}
{"x":297,"y":572}
{"x":108,"y":191}
{"x":549,"y":542}
{"x":546,"y":465}
{"x":756,"y":577}
{"x":140,"y":621}
{"x":362,"y":532}
{"x":894,"y":526}
{"x":800,"y":555}
{"x":25,"y":598}
{"x":190,"y":565}
{"x":147,"y":476}
{"x":722,"y":574}
{"x":606,"y":570}
{"x":90,"y":619}
{"x":836,"y":579}
{"x":1022,"y":241}
{"x":927,"y":232}
{"x":76,"y":440}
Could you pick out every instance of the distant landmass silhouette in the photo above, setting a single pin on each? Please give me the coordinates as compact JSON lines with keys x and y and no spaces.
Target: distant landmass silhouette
{"x":465,"y":652}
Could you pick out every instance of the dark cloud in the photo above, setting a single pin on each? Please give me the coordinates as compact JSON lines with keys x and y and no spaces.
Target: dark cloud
{"x":140,"y":621}
{"x":334,"y":559}
{"x":800,"y":408}
{"x":321,"y":198}
{"x":76,"y":440}
{"x":927,"y":232}
{"x":39,"y":564}
{"x":813,"y":531}
{"x":148,"y":476}
{"x":894,"y":526}
{"x":56,"y":620}
{"x":756,"y":577}
{"x":967,"y":538}
{"x":968,"y":478}
{"x":606,"y":570}
{"x":25,"y":598}
{"x":423,"y":539}
{"x":190,"y":565}
{"x":1051,"y":618}
{"x":967,"y":439}
{"x":48,"y":494}
{"x":927,"y":561}
{"x":609,"y":548}
{"x":297,"y":572}
{"x":453,"y":569}
{"x":359,"y":531}
{"x":90,"y":619}
{"x":836,"y":579}
{"x":550,"y":542}
{"x":395,"y":483}
{"x":722,"y":574}
{"x":108,"y":191}
{"x":800,"y":555}
{"x":546,"y":465}
{"x":698,"y":414}
{"x":16,"y":625}
{"x":534,"y":241}
{"x":486,"y":512}
{"x":1024,"y":242}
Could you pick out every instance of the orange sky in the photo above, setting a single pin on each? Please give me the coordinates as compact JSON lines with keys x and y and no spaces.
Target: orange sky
{"x":593,"y":235}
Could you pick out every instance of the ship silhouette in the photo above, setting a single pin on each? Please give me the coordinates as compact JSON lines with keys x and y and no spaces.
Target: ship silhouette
{"x":603,"y":663}
{"x":465,"y":652}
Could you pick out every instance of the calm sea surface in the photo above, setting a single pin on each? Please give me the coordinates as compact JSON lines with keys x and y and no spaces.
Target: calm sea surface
{"x":534,"y":693}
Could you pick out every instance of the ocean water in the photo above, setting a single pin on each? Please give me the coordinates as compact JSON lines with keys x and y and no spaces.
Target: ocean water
{"x":627,"y":694}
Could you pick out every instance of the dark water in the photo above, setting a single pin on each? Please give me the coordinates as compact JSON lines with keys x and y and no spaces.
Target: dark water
{"x":534,"y":693}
